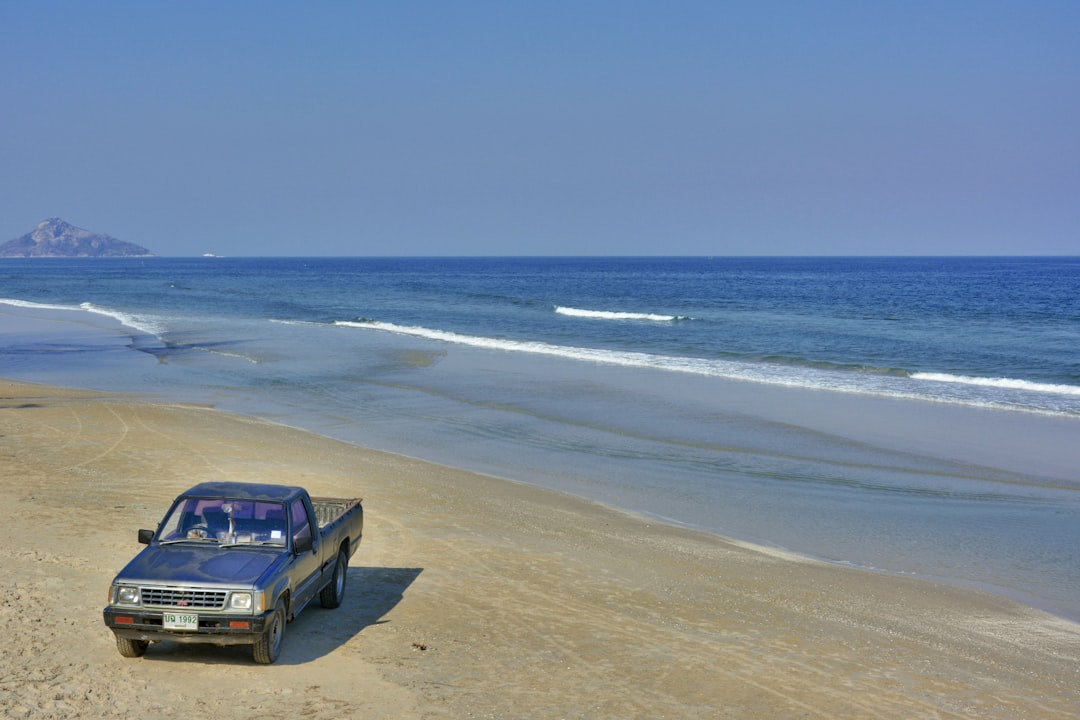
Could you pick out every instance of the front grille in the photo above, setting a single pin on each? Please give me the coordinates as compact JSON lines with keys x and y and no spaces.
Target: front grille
{"x":183,"y":598}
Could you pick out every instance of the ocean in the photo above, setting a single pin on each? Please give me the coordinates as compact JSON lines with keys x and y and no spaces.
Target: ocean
{"x":907,"y":415}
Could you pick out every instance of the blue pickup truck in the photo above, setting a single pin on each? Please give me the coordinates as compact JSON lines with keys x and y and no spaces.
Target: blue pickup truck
{"x":230,"y":564}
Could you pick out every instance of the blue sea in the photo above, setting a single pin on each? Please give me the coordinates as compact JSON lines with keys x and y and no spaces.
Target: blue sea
{"x":907,"y":415}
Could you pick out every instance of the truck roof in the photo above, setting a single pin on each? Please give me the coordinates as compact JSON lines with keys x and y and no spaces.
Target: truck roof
{"x":246,"y":491}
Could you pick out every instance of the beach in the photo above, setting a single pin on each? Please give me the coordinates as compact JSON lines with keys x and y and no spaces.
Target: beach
{"x":473,"y":596}
{"x":922,"y":424}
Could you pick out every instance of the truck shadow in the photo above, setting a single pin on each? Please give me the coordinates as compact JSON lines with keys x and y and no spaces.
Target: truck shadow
{"x":370,"y":593}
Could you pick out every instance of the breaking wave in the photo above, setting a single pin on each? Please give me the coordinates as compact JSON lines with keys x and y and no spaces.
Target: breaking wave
{"x":611,"y":315}
{"x":1004,"y":394}
{"x":1005,"y":383}
{"x":36,"y":306}
{"x":146,"y":325}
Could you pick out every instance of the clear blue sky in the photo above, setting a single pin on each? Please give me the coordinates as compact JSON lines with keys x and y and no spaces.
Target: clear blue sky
{"x":546,"y":128}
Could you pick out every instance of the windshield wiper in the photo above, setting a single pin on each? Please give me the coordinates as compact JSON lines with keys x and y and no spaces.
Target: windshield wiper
{"x":183,"y":540}
{"x":252,"y":542}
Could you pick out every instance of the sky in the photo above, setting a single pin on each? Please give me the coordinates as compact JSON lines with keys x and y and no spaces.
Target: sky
{"x":588,"y":127}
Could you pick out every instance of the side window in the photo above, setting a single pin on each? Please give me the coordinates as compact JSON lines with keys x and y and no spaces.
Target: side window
{"x":301,"y":526}
{"x":179,"y":521}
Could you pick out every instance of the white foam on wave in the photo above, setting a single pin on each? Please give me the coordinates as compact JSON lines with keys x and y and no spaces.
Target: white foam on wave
{"x":612,"y":315}
{"x":142,"y":324}
{"x":1005,"y":383}
{"x":786,"y":376}
{"x":145,"y":325}
{"x":36,"y":306}
{"x":697,"y":366}
{"x":500,"y":344}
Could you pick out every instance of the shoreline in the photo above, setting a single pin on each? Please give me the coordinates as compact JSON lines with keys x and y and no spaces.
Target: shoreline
{"x":527,"y":602}
{"x":987,"y":464}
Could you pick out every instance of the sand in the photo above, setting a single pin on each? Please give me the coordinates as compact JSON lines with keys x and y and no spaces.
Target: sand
{"x":473,"y":597}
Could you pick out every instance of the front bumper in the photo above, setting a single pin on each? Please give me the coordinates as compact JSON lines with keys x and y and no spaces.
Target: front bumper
{"x":215,"y":629}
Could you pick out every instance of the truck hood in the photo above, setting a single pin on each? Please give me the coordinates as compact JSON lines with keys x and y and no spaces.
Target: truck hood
{"x":196,"y":564}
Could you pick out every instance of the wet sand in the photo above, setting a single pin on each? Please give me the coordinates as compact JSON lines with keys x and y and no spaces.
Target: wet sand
{"x":474,"y":597}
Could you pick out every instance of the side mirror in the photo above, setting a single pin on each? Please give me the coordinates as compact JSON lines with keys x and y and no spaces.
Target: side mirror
{"x":303,"y":545}
{"x":145,"y":536}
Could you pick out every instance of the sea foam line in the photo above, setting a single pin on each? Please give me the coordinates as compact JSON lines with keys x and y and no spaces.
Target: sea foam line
{"x":836,"y":381}
{"x":135,"y":322}
{"x":1006,"y":383}
{"x":573,"y":353}
{"x":696,"y":366}
{"x":611,"y":315}
{"x":36,"y":306}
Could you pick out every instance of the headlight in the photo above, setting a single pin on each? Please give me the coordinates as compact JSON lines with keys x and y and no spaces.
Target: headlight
{"x":240,"y":601}
{"x":127,"y":595}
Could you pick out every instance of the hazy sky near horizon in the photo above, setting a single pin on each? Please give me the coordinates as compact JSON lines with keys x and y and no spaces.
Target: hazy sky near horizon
{"x":546,"y":128}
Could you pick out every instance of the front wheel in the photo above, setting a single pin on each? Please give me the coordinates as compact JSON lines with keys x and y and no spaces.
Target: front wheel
{"x":131,"y":648}
{"x":332,"y":595}
{"x":267,"y":648}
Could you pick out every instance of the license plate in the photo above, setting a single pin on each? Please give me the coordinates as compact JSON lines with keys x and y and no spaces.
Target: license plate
{"x":180,"y":621}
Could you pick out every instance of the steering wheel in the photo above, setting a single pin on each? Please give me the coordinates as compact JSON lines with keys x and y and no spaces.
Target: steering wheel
{"x":198,"y":532}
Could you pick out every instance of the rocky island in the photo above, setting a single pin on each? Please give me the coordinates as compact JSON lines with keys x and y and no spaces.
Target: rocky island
{"x":56,"y":238}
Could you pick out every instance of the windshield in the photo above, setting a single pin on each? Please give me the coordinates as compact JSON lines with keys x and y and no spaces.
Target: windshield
{"x":225,"y":521}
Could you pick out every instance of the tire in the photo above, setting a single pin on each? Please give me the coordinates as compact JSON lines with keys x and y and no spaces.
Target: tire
{"x":332,"y":595}
{"x":267,"y":648}
{"x":131,"y":648}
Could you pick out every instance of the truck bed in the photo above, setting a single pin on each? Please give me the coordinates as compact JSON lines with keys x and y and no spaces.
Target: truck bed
{"x":327,"y":510}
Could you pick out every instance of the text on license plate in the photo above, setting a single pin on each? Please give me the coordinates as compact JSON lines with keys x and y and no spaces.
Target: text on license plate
{"x":180,"y":621}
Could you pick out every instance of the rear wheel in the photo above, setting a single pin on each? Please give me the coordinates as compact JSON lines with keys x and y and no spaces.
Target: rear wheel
{"x":267,"y":648}
{"x":332,"y":595}
{"x":131,"y":648}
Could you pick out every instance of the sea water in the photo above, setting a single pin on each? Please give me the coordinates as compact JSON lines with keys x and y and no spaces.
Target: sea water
{"x":912,"y":415}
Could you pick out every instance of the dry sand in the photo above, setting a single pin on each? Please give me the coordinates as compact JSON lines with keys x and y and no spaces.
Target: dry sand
{"x":473,"y":597}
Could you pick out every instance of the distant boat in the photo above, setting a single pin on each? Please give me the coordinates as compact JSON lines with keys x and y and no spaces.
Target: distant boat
{"x":209,"y":255}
